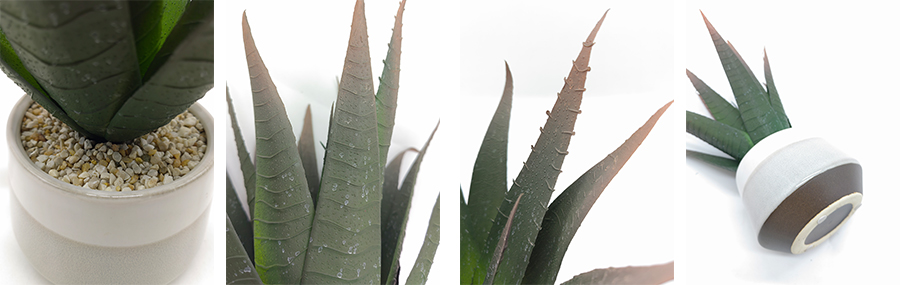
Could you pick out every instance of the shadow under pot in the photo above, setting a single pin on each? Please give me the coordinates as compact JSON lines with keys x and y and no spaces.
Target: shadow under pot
{"x":798,"y":189}
{"x":72,"y":234}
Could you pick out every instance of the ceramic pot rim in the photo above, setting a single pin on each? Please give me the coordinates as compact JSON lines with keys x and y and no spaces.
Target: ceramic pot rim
{"x":13,"y":134}
{"x":799,"y":245}
{"x":763,"y":149}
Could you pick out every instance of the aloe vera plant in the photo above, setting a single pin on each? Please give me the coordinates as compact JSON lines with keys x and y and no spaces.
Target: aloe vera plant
{"x":350,"y":224}
{"x":111,"y":70}
{"x":735,"y":129}
{"x":519,"y":236}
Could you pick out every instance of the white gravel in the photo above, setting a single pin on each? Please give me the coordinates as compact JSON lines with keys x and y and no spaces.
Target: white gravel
{"x":157,"y":158}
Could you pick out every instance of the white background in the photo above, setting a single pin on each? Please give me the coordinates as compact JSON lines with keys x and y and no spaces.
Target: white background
{"x":303,"y":45}
{"x":833,"y":67}
{"x":631,"y":77}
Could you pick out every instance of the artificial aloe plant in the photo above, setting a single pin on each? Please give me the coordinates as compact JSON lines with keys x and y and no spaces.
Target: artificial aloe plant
{"x":348,"y":224}
{"x":735,"y":129}
{"x":519,"y":236}
{"x":111,"y":70}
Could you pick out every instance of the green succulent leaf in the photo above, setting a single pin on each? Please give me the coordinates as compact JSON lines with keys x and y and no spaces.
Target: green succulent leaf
{"x":654,"y":274}
{"x":12,"y":66}
{"x":470,"y":260}
{"x":394,"y":215}
{"x":502,"y":242}
{"x":773,"y":93}
{"x":720,"y":109}
{"x":81,"y":53}
{"x":419,"y":272}
{"x":760,"y":118}
{"x":718,"y":161}
{"x":733,"y":142}
{"x":15,"y":68}
{"x":284,"y":210}
{"x":570,"y":208}
{"x":463,"y":210}
{"x":179,"y":75}
{"x":241,"y":222}
{"x":248,"y":169}
{"x":388,"y":83}
{"x":488,"y":187}
{"x":152,"y":21}
{"x":85,"y":61}
{"x":390,"y":226}
{"x":392,"y":178}
{"x":238,"y":266}
{"x":346,"y":233}
{"x":306,"y":146}
{"x":538,"y":177}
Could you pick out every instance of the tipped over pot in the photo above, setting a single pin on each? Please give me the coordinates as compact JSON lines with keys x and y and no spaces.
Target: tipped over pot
{"x":799,"y":190}
{"x":75,"y":235}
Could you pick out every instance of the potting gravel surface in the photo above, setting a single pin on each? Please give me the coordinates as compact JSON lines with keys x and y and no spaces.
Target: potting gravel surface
{"x":157,"y":158}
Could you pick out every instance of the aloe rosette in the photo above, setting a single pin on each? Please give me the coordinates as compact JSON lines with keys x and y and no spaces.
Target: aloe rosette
{"x":735,"y":129}
{"x":111,"y":70}
{"x":510,"y":232}
{"x":347,"y":224}
{"x":798,"y":188}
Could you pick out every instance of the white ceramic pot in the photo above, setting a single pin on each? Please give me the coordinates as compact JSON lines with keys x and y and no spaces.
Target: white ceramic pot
{"x":76,"y":235}
{"x":799,"y":190}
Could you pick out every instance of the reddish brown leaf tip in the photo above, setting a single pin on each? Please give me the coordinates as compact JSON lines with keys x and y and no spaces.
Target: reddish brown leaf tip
{"x":590,"y":39}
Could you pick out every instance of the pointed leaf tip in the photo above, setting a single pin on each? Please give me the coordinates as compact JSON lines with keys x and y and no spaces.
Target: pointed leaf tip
{"x":590,"y":39}
{"x":488,"y":184}
{"x":352,"y":148}
{"x":306,"y":146}
{"x":567,"y":212}
{"x":501,"y":244}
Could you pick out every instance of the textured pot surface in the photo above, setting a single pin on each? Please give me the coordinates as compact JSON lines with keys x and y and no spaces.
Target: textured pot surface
{"x":798,"y":190}
{"x":76,"y":235}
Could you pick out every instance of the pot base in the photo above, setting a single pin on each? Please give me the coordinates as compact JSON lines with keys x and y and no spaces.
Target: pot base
{"x":813,"y":212}
{"x":62,"y":260}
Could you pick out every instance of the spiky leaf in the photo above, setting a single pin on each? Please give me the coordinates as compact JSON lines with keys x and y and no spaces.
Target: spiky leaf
{"x":469,"y":251}
{"x":717,"y":106}
{"x":718,"y":161}
{"x":502,"y":243}
{"x":238,"y":266}
{"x":284,"y":210}
{"x":346,"y":234}
{"x":394,"y":215}
{"x":243,"y":227}
{"x":538,"y":177}
{"x":760,"y":119}
{"x":774,"y":99}
{"x":390,"y":226}
{"x":570,"y":208}
{"x":733,"y":142}
{"x":488,"y":187}
{"x":419,"y":272}
{"x":654,"y":274}
{"x":386,"y":97}
{"x":248,"y":169}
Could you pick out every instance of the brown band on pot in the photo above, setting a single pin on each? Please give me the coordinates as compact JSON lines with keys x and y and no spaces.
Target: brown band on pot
{"x":796,"y":211}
